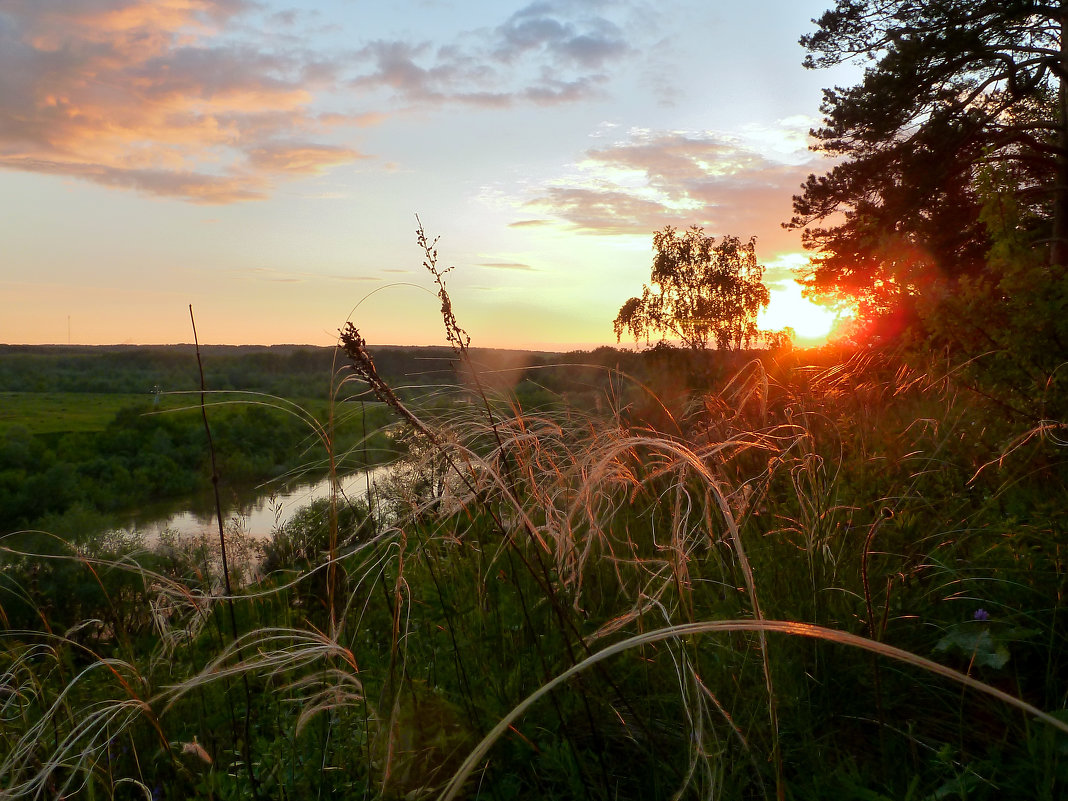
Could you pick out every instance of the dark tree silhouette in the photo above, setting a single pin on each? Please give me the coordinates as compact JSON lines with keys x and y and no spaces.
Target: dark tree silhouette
{"x":953,"y":88}
{"x":700,"y":291}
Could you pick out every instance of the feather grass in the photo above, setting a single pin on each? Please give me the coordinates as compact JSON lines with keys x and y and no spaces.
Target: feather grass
{"x":458,"y":779}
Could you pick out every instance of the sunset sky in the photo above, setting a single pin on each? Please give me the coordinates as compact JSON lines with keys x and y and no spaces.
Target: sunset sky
{"x":264,"y":161}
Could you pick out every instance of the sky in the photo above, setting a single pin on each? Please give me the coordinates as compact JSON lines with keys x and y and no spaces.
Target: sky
{"x":264,"y":161}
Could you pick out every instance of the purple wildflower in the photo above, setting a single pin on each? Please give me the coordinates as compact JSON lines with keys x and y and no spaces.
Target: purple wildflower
{"x":981,"y":615}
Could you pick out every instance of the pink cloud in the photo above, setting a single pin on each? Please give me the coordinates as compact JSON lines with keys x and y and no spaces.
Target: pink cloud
{"x":652,"y":180}
{"x":299,"y":158}
{"x":604,"y":210}
{"x":193,"y":186}
{"x":149,"y":95}
{"x":204,"y":100}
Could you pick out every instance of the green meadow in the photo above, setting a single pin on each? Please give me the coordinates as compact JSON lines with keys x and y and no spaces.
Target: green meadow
{"x":68,"y":412}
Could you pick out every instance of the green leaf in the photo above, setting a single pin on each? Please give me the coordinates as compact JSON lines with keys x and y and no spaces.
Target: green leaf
{"x":975,"y":644}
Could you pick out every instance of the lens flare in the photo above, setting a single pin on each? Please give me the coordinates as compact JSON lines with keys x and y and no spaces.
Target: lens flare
{"x":811,"y":322}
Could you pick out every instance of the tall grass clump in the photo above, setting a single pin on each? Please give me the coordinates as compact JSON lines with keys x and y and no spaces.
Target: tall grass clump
{"x":805,"y":575}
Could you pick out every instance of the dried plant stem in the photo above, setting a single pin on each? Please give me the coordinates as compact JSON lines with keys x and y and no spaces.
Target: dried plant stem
{"x":247,"y":740}
{"x":457,"y":337}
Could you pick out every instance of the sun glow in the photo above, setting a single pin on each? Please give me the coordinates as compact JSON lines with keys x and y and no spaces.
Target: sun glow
{"x":811,"y":322}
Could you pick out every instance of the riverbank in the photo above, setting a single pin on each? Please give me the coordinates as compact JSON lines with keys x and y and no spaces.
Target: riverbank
{"x":256,"y":512}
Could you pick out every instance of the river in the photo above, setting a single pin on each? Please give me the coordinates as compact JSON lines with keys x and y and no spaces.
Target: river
{"x":256,"y":512}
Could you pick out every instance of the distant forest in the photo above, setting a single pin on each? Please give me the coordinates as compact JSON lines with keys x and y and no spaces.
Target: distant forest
{"x":302,"y":371}
{"x":285,"y":370}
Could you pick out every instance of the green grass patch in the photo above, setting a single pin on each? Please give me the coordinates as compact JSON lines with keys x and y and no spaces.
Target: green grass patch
{"x":69,"y":412}
{"x":63,"y":412}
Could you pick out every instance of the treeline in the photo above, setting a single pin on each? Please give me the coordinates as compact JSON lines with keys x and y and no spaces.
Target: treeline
{"x":286,"y":370}
{"x":291,"y":371}
{"x":296,"y":371}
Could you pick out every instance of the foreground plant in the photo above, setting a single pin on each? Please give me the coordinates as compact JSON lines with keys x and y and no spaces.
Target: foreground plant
{"x":575,"y":603}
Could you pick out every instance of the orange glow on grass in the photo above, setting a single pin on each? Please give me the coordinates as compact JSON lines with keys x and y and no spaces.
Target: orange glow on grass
{"x":812,"y":323}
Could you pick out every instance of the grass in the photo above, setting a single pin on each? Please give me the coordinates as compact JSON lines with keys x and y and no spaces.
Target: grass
{"x":66,"y":412}
{"x":559,"y":603}
{"x":70,"y":412}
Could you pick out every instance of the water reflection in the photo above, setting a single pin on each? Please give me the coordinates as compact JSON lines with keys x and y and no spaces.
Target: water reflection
{"x":259,"y":512}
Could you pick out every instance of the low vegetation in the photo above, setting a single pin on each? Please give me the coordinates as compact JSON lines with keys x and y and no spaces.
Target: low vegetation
{"x":813,"y":574}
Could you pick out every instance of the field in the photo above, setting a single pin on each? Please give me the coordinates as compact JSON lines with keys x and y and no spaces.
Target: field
{"x":65,"y":412}
{"x":69,"y":412}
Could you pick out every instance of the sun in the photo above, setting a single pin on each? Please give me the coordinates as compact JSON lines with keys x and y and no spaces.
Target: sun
{"x":811,"y":322}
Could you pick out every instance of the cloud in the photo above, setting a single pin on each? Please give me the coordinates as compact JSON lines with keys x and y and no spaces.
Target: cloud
{"x":193,"y":186}
{"x":219,"y":101}
{"x":155,"y":96}
{"x":362,"y":120}
{"x":530,"y":223}
{"x":547,"y":53}
{"x":588,"y":42}
{"x":394,"y":65}
{"x":290,"y":276}
{"x":652,"y":179}
{"x":507,"y":265}
{"x":299,"y":158}
{"x":604,"y":210}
